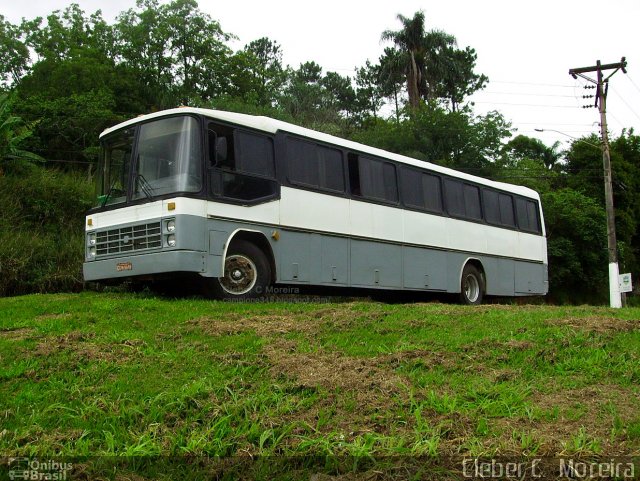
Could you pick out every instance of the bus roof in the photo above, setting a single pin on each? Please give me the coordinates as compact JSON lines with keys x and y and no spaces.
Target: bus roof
{"x":267,"y":124}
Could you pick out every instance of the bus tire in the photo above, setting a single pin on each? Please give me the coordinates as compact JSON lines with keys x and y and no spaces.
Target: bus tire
{"x":471,"y":285}
{"x":246,"y":273}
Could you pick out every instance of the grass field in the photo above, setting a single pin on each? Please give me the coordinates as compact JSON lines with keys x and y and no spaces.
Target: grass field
{"x":134,"y":375}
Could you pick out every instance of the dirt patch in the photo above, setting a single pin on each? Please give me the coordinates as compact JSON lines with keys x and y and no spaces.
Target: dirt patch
{"x":16,"y":333}
{"x":82,"y":345}
{"x":584,"y":419}
{"x":426,"y":358}
{"x":593,"y":399}
{"x":309,"y":322}
{"x":598,"y":324}
{"x":333,"y":370}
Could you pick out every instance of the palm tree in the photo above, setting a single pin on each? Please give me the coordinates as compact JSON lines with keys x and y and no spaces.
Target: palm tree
{"x":410,"y":41}
{"x":424,"y":57}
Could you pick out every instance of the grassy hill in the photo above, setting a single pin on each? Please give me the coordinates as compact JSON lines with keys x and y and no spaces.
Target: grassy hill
{"x":325,"y":387}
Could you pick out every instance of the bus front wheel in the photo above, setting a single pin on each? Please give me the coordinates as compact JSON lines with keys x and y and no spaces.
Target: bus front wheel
{"x":246,"y":273}
{"x":471,"y":285}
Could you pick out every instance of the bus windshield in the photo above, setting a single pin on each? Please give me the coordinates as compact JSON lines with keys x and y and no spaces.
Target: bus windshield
{"x":168,"y":159}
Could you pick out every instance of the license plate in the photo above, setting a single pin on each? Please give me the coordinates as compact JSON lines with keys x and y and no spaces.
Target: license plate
{"x":124,"y":266}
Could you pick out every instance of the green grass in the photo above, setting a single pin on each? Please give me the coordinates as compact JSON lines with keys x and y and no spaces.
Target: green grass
{"x":348,"y":383}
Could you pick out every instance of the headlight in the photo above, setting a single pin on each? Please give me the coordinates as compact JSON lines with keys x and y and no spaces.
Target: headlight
{"x":171,"y":226}
{"x":171,"y":240}
{"x":92,"y":239}
{"x":92,"y":251}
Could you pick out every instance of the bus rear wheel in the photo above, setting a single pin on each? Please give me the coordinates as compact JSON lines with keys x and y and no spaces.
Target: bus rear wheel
{"x":471,"y":286}
{"x":246,"y":273}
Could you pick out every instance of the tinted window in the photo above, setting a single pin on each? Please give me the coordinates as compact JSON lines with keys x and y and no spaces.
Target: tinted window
{"x":527,"y":215}
{"x":463,"y":200}
{"x":432,"y":192}
{"x":331,"y":168}
{"x":377,"y":179}
{"x":244,"y":161}
{"x":454,"y":197}
{"x":254,"y":154}
{"x":315,"y":165}
{"x":498,"y":208}
{"x":472,"y":202}
{"x":491,"y":206}
{"x":421,"y":190}
{"x":507,"y":216}
{"x":303,"y":163}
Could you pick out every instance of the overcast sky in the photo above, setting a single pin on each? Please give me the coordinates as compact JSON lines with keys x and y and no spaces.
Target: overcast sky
{"x":525,"y":48}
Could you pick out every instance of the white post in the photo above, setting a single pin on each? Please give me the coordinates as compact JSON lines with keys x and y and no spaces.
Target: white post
{"x":614,"y":285}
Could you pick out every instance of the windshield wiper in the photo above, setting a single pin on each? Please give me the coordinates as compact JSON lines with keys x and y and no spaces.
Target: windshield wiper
{"x":145,"y":186}
{"x":105,"y":197}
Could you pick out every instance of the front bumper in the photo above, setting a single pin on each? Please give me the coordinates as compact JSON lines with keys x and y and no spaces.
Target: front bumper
{"x":145,"y":264}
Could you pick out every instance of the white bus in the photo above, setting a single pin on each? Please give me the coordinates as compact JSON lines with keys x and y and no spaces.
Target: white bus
{"x":243,"y":203}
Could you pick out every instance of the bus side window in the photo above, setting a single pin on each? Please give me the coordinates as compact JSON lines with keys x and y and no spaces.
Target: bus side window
{"x":372,"y":178}
{"x":527,"y":215}
{"x":254,"y":154}
{"x":244,"y":162}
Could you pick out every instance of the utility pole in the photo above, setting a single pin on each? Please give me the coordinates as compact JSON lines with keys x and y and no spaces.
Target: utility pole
{"x":602,"y":86}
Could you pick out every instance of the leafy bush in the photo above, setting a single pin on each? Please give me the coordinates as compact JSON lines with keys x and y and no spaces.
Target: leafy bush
{"x":41,"y":230}
{"x":577,"y":240}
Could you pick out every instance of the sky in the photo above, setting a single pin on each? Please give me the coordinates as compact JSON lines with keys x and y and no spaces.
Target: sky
{"x":525,"y":48}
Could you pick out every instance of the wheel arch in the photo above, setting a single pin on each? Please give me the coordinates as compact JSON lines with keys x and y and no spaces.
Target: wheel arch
{"x":477,"y":263}
{"x":257,"y":238}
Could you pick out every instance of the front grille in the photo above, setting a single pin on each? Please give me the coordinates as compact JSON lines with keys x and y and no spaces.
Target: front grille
{"x":129,"y":239}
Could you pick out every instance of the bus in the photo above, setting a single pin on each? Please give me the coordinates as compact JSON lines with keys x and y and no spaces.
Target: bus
{"x":243,"y":205}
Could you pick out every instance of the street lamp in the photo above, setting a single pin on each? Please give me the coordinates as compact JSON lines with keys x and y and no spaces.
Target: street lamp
{"x":599,"y":147}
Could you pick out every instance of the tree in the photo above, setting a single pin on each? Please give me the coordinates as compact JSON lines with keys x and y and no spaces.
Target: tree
{"x":391,"y":77}
{"x":369,"y":94}
{"x":68,"y":33}
{"x":178,"y":50}
{"x":14,"y":54}
{"x":432,"y":65}
{"x":196,"y":45}
{"x":432,"y":133}
{"x":456,"y":79}
{"x":266,"y":69}
{"x":522,"y":147}
{"x":141,"y":38}
{"x":577,"y":240}
{"x":410,"y":41}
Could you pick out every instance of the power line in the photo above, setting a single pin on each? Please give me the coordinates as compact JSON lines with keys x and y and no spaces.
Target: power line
{"x":528,"y":105}
{"x":626,"y":103}
{"x":526,"y":94}
{"x":535,"y":84}
{"x":632,"y":82}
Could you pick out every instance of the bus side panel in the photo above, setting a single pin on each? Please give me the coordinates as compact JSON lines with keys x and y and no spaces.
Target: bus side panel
{"x":530,"y":278}
{"x":293,"y":256}
{"x":503,"y":282}
{"x":424,"y":269}
{"x":335,"y":260}
{"x":375,"y":264}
